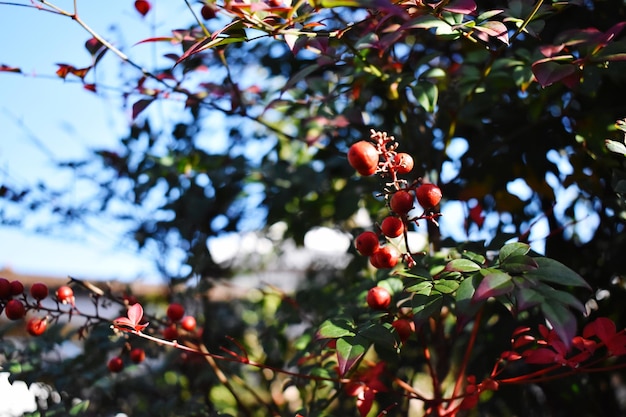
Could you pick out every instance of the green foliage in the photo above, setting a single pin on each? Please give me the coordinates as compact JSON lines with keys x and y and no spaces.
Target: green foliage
{"x":529,"y":89}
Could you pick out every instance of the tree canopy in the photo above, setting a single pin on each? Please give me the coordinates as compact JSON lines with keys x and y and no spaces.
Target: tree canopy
{"x":246,"y":123}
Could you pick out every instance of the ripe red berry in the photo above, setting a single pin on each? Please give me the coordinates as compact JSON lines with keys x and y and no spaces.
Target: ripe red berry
{"x":428,"y":195}
{"x":65,"y":295}
{"x":142,"y":6}
{"x":401,"y":202}
{"x":404,"y":327}
{"x":116,"y":364}
{"x":14,"y":309}
{"x":137,"y":355}
{"x":366,"y":243}
{"x":378,"y":298}
{"x":36,"y":326}
{"x":403,"y":162}
{"x":175,"y":311}
{"x":363,"y":157}
{"x":386,"y":257}
{"x":188,"y":323}
{"x":17,"y":287}
{"x":392,"y":226}
{"x":170,"y":332}
{"x":5,"y":289}
{"x":39,"y":291}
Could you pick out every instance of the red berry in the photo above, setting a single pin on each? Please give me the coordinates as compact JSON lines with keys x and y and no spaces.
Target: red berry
{"x":401,"y":202}
{"x":170,"y":332}
{"x":175,"y":311}
{"x":392,"y":226}
{"x":207,"y":12}
{"x":115,"y":364}
{"x":428,"y":195}
{"x":5,"y":289}
{"x":65,"y":295}
{"x":403,"y":162}
{"x":137,"y":355}
{"x":386,"y":257}
{"x":39,"y":291}
{"x":36,"y":326}
{"x":14,"y":309}
{"x":17,"y":288}
{"x":363,"y":157}
{"x":188,"y":323}
{"x":366,"y":243}
{"x":142,"y":6}
{"x":404,"y":327}
{"x":378,"y":298}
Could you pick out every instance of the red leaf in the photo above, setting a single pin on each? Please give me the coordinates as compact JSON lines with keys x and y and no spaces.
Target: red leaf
{"x":6,"y":68}
{"x":133,"y":321}
{"x":548,"y":71}
{"x":140,"y":106}
{"x":494,"y":29}
{"x":493,"y":285}
{"x":460,"y":6}
{"x":539,"y":356}
{"x":64,"y":69}
{"x":142,"y":6}
{"x":93,"y":45}
{"x":90,"y":87}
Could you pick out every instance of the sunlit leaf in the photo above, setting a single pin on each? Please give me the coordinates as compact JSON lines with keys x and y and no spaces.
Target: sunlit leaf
{"x":334,"y":328}
{"x":462,"y":265}
{"x":493,"y":285}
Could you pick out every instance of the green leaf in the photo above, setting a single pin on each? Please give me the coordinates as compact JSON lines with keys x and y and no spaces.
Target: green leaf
{"x":334,"y":328}
{"x":379,"y":334}
{"x":421,"y":288}
{"x":462,"y":265}
{"x":446,"y":286}
{"x":493,"y":285}
{"x":513,"y":249}
{"x":473,"y":256}
{"x":562,"y":321}
{"x":79,"y":407}
{"x":527,"y":298}
{"x":559,"y":296}
{"x":425,"y":22}
{"x":615,"y":146}
{"x":393,"y":285}
{"x":518,"y":264}
{"x":555,"y":272}
{"x":464,"y":295}
{"x":426,"y":306}
{"x":426,"y":94}
{"x":349,"y":351}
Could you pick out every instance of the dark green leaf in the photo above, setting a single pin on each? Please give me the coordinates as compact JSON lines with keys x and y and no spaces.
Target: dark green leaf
{"x":562,"y":321}
{"x":555,"y":272}
{"x":426,"y":306}
{"x":517,"y":264}
{"x":349,"y":351}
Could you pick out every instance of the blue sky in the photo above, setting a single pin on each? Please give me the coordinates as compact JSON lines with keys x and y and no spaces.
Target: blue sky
{"x":44,"y":120}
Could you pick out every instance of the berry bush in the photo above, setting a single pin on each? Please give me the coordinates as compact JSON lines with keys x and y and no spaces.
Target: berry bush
{"x":412,"y":319}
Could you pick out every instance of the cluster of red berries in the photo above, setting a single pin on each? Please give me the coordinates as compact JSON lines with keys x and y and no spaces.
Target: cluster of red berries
{"x":379,"y":298}
{"x":177,"y":318}
{"x":14,"y":302}
{"x":116,"y":363}
{"x":379,"y":156}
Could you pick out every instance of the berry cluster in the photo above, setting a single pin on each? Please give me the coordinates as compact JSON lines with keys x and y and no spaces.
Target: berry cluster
{"x":15,"y":303}
{"x":379,"y":156}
